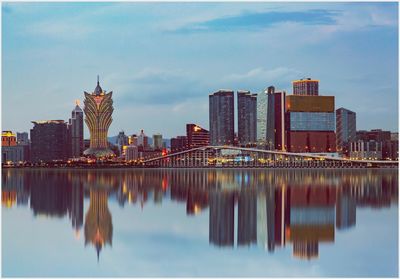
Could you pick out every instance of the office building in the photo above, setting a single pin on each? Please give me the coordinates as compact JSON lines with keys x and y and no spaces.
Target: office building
{"x":310,"y":124}
{"x":133,"y":140}
{"x":262,"y":108}
{"x":157,"y":142}
{"x":76,"y":132}
{"x":122,"y":140}
{"x":345,"y":130}
{"x":22,"y":138}
{"x":15,"y":154}
{"x":98,"y":110}
{"x":49,"y":140}
{"x":178,"y":144}
{"x":307,"y":86}
{"x":275,"y":137}
{"x":221,"y":109}
{"x":247,"y":118}
{"x":131,"y":153}
{"x":197,"y":136}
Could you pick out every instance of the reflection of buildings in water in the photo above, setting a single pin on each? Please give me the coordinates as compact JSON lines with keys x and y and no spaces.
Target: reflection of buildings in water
{"x":221,"y":222}
{"x":305,"y":250}
{"x":76,"y":212}
{"x":312,"y":219}
{"x":98,"y":222}
{"x":345,"y":211}
{"x":247,"y":217}
{"x":8,"y":198}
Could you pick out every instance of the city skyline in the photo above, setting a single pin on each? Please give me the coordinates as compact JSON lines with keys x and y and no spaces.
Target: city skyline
{"x":169,"y":66}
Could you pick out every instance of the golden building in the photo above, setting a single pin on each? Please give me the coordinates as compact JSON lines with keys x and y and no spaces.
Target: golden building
{"x":98,"y":110}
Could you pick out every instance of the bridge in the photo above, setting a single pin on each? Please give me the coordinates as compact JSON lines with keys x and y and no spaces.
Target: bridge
{"x":240,"y":157}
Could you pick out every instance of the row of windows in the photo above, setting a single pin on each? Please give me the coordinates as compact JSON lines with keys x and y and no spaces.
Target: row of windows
{"x":312,"y":121}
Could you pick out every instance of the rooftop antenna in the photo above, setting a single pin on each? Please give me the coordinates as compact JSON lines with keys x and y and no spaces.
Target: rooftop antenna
{"x":97,"y":79}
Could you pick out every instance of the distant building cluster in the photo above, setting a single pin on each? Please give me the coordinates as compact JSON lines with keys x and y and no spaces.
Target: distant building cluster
{"x":303,"y":122}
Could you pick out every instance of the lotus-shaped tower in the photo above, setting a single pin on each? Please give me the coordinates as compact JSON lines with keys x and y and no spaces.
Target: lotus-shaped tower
{"x":98,"y":110}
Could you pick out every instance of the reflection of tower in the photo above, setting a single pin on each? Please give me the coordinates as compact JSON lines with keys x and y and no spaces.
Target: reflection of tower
{"x":247,"y":217}
{"x":305,"y":250}
{"x":345,"y":211}
{"x":221,"y":228}
{"x":77,"y":206}
{"x":98,"y":110}
{"x":98,"y":223}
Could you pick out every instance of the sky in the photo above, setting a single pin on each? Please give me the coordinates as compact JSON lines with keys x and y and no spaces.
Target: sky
{"x":162,"y":60}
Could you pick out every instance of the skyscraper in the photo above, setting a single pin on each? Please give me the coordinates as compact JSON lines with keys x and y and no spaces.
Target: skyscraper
{"x":345,"y":129}
{"x":278,"y":120}
{"x":197,"y":136}
{"x":222,"y":117}
{"x":308,"y":87}
{"x":247,"y":117}
{"x":76,"y":131}
{"x":49,"y":140}
{"x":310,"y":123}
{"x":262,"y":108}
{"x":98,"y":110}
{"x":157,"y":142}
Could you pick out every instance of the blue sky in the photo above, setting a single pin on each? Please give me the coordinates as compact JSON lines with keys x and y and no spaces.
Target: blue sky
{"x":162,"y":60}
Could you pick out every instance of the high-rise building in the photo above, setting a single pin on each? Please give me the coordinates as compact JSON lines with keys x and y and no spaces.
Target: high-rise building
{"x":49,"y":140}
{"x":133,"y":140}
{"x":305,"y":86}
{"x":310,"y":124}
{"x":345,"y":129}
{"x":76,"y":131}
{"x":388,"y":146}
{"x":131,"y":153}
{"x":122,"y":140}
{"x":22,"y":138}
{"x":275,"y":137}
{"x":247,"y":118}
{"x":262,"y":109}
{"x":197,"y":136}
{"x":142,"y":140}
{"x":98,"y":110}
{"x":157,"y":142}
{"x":222,"y":117}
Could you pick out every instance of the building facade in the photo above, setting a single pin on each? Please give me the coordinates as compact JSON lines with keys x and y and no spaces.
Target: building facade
{"x":8,"y":138}
{"x":221,"y":106}
{"x":197,"y":136}
{"x":276,"y":137}
{"x":76,"y":132}
{"x":157,"y":142}
{"x":49,"y":140}
{"x":345,"y":130}
{"x":131,"y":153}
{"x":98,"y":110}
{"x":307,"y":86}
{"x":178,"y":144}
{"x":262,"y":108}
{"x":310,"y":124}
{"x":247,"y":118}
{"x":366,"y":150}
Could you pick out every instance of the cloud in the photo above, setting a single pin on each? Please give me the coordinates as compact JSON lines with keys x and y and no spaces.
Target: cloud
{"x":256,"y":21}
{"x":258,"y":78}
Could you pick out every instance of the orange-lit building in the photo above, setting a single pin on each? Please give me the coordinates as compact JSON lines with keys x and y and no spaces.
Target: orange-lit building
{"x":197,"y":136}
{"x":8,"y":138}
{"x":310,"y":123}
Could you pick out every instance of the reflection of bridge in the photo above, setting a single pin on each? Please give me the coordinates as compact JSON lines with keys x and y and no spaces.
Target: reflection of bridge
{"x":231,"y":156}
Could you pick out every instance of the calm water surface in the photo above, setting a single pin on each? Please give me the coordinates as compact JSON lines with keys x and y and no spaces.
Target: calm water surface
{"x":199,"y":223}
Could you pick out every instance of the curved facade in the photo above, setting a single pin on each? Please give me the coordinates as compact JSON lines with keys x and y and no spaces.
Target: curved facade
{"x":98,"y":110}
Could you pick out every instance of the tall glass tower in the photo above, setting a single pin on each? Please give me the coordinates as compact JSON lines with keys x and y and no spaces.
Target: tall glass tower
{"x":98,"y":110}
